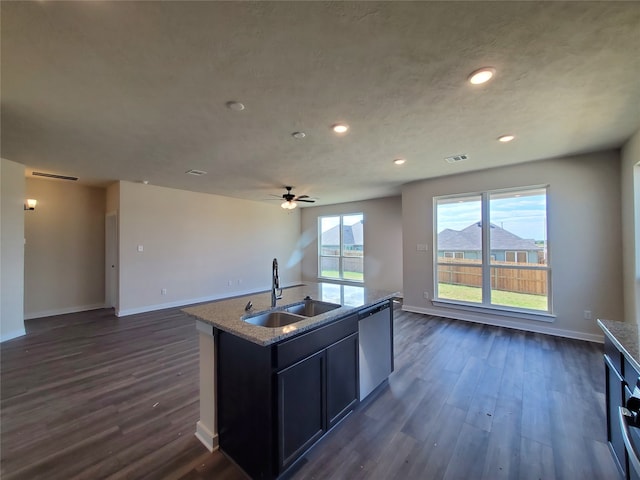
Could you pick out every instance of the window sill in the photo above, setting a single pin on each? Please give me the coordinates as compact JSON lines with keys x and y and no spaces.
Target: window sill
{"x":356,"y":283}
{"x":494,"y":310}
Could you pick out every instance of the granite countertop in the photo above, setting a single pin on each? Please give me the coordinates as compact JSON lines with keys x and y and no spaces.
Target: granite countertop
{"x":626,"y":336}
{"x":227,"y":314}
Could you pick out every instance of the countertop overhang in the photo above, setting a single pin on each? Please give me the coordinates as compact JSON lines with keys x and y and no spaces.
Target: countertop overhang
{"x":625,"y":336}
{"x":228,"y":314}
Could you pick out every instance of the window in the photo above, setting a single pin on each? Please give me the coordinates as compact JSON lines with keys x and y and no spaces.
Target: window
{"x":516,"y":257}
{"x":503,"y":238}
{"x":341,"y":247}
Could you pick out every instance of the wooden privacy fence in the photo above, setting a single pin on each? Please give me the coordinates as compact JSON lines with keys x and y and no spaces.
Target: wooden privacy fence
{"x":532,"y":282}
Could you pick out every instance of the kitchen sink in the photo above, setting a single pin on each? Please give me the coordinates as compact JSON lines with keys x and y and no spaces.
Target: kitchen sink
{"x":289,"y":314}
{"x":311,"y":308}
{"x":274,"y":319}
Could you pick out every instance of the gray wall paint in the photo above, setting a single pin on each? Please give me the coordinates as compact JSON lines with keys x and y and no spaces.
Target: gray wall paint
{"x":12,"y":198}
{"x":382,"y":240}
{"x":64,"y":250}
{"x":630,"y":188}
{"x":584,"y":234}
{"x":194,"y":244}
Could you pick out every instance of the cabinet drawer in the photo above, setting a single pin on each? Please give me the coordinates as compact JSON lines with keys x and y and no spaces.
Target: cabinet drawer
{"x":294,"y":350}
{"x":615,"y":356}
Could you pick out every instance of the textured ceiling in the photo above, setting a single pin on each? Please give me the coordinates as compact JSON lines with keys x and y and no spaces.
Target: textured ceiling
{"x":137,"y":90}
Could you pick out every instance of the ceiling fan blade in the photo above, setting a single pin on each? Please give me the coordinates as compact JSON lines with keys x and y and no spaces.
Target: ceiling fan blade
{"x":307,"y":201}
{"x":302,"y":196}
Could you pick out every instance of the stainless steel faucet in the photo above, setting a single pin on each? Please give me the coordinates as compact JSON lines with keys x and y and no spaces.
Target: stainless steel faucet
{"x":276,"y":291}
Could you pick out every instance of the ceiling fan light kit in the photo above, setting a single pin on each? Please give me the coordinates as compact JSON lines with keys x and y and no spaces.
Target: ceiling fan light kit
{"x":290,"y":199}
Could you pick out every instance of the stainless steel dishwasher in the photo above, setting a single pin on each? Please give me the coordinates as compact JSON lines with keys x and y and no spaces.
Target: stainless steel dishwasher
{"x":375,"y":331}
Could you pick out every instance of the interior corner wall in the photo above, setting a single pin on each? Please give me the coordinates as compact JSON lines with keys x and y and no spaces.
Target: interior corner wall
{"x":113,"y":198}
{"x":199,"y":247}
{"x":382,"y":240}
{"x":64,"y":250}
{"x":630,"y":191}
{"x":584,"y":219}
{"x":12,"y":198}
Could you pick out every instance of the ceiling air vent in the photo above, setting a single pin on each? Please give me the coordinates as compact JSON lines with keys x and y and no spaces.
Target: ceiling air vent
{"x":196,"y":172}
{"x":53,"y":175}
{"x":456,"y":158}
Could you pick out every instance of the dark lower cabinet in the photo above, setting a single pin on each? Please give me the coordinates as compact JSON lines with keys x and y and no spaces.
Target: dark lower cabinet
{"x":275,"y":402}
{"x":615,"y":399}
{"x":621,"y":378}
{"x":342,"y":379}
{"x":301,"y":407}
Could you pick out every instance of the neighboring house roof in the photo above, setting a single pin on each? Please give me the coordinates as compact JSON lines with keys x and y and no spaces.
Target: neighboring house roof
{"x":353,"y":235}
{"x":470,"y":239}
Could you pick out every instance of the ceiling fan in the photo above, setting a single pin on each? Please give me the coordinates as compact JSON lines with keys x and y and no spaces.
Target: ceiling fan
{"x":290,"y":199}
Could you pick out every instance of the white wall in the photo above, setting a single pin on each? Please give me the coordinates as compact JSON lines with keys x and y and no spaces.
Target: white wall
{"x":584,"y":233}
{"x":382,"y":240}
{"x":64,"y":250}
{"x":12,"y":198}
{"x":630,"y":189}
{"x":194,"y":244}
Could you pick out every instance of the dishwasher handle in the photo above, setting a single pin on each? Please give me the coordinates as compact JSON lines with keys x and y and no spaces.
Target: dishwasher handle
{"x":372,"y":310}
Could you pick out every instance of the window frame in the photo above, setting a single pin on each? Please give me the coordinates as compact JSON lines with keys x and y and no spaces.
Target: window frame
{"x":341,"y":256}
{"x":487,"y":257}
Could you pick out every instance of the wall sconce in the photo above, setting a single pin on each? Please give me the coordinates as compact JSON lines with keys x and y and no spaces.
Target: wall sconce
{"x":31,"y":204}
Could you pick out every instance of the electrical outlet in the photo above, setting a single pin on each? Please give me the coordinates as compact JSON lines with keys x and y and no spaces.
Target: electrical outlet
{"x":230,"y":283}
{"x":239,"y":281}
{"x":163,"y":291}
{"x":587,"y":314}
{"x":426,"y":295}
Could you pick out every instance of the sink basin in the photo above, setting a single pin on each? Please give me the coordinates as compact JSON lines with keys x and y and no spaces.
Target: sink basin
{"x":311,"y":308}
{"x":291,"y":313}
{"x":274,"y":319}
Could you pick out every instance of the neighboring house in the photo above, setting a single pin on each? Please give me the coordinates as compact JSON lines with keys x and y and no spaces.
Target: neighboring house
{"x":505,"y":246}
{"x":352,"y":238}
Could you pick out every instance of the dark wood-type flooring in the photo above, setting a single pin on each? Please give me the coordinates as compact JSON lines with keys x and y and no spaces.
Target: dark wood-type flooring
{"x":91,"y":396}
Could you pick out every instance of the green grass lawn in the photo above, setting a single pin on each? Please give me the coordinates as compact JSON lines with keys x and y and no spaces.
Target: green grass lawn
{"x":498,"y":297}
{"x":357,"y":276}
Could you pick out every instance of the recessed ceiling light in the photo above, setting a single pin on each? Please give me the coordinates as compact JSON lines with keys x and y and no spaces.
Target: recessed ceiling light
{"x":505,"y":138}
{"x":340,"y":127}
{"x":399,"y":161}
{"x":236,"y":106}
{"x":482,"y":75}
{"x":197,"y":173}
{"x":298,"y":135}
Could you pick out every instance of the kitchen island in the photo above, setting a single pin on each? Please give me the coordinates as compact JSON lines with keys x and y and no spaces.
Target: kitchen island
{"x":622,"y":372}
{"x":252,"y":377}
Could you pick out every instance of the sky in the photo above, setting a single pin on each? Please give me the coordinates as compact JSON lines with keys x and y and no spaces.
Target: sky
{"x":525,"y":215}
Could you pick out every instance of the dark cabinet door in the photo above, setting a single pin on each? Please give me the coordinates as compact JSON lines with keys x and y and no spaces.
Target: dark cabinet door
{"x":342,"y":378}
{"x":301,"y":409}
{"x":615,"y":399}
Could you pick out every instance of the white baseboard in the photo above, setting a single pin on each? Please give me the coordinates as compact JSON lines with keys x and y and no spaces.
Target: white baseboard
{"x":207,"y":438}
{"x":503,"y":322}
{"x":180,"y":303}
{"x":62,"y":311}
{"x":11,"y":335}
